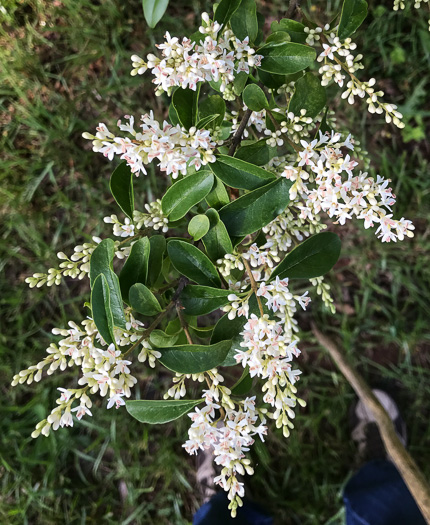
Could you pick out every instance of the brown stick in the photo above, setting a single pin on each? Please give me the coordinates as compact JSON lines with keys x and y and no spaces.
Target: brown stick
{"x":237,"y":137}
{"x":407,"y":467}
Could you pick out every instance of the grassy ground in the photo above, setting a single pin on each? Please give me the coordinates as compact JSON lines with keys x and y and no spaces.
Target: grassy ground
{"x":63,"y":67}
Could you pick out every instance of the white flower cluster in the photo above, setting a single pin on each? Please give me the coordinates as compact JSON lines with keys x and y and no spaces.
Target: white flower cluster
{"x":216,"y":57}
{"x":228,"y":439}
{"x":339,"y":192}
{"x":175,"y":148}
{"x":290,"y":226}
{"x":75,"y":266}
{"x":104,"y":369}
{"x":345,"y":61}
{"x":153,"y":218}
{"x":258,"y":256}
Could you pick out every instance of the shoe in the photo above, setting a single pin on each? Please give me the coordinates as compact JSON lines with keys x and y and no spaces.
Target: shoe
{"x":365,"y":431}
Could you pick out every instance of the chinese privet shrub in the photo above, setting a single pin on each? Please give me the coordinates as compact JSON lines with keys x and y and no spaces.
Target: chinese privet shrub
{"x":256,"y":164}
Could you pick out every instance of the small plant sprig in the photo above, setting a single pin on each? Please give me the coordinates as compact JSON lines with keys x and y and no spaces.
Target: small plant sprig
{"x":256,"y":168}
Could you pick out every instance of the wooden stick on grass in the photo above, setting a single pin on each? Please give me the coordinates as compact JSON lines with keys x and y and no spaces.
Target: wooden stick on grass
{"x":407,"y":467}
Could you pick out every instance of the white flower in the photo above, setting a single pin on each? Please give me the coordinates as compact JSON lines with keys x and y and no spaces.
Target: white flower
{"x":117,"y":400}
{"x":81,"y":410}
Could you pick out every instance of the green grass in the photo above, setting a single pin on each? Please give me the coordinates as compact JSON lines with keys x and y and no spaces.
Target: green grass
{"x":60,"y":79}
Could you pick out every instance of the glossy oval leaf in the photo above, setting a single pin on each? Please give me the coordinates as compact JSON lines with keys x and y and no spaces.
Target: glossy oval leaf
{"x":214,"y":104}
{"x":352,"y":16}
{"x":121,"y":187}
{"x":217,"y":241}
{"x":185,"y":102}
{"x":295,"y":29}
{"x":194,"y":359}
{"x":186,"y":193}
{"x":243,"y":384}
{"x":238,"y":173}
{"x":160,"y":339}
{"x":100,"y":308}
{"x":101,"y":262}
{"x":135,"y":269}
{"x":258,"y":153}
{"x":309,"y":94}
{"x":254,"y":97}
{"x":256,"y":209}
{"x":153,"y":11}
{"x":218,"y":196}
{"x":193,"y":263}
{"x":157,"y":412}
{"x":143,"y":300}
{"x":239,"y":82}
{"x":244,"y":21}
{"x":198,"y":227}
{"x":157,"y":245}
{"x":202,"y":300}
{"x":225,"y":10}
{"x":312,"y":258}
{"x":229,"y":330}
{"x":286,"y":58}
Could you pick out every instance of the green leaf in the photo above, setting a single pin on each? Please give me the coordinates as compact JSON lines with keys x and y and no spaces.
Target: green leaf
{"x":312,"y":258}
{"x":173,"y":116}
{"x":237,"y":173}
{"x":194,"y":264}
{"x":135,"y":269}
{"x":143,"y":300}
{"x":218,"y":196}
{"x":204,"y":122}
{"x":159,"y":412}
{"x":186,"y":193}
{"x":160,"y":339}
{"x":202,"y":300}
{"x":225,"y":10}
{"x":154,"y":10}
{"x":185,"y":103}
{"x":256,"y":209}
{"x":254,"y":97}
{"x":239,"y":82}
{"x":272,"y":81}
{"x":286,"y":58}
{"x":296,"y":30}
{"x":157,"y":249}
{"x":278,"y":37}
{"x":243,"y":385}
{"x":100,"y":307}
{"x":217,"y":242}
{"x":101,"y":262}
{"x":308,"y":94}
{"x":194,"y":359}
{"x":212,"y":105}
{"x":198,"y":227}
{"x":258,"y":153}
{"x":352,"y":16}
{"x":244,"y":21}
{"x":229,"y":330}
{"x":121,"y":187}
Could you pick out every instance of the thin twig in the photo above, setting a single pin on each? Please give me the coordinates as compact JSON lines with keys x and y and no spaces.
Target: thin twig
{"x":407,"y":467}
{"x":253,"y":285}
{"x":237,"y":137}
{"x":183,"y":322}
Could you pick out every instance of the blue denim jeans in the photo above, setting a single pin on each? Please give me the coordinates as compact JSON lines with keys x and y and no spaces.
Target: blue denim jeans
{"x":375,"y":495}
